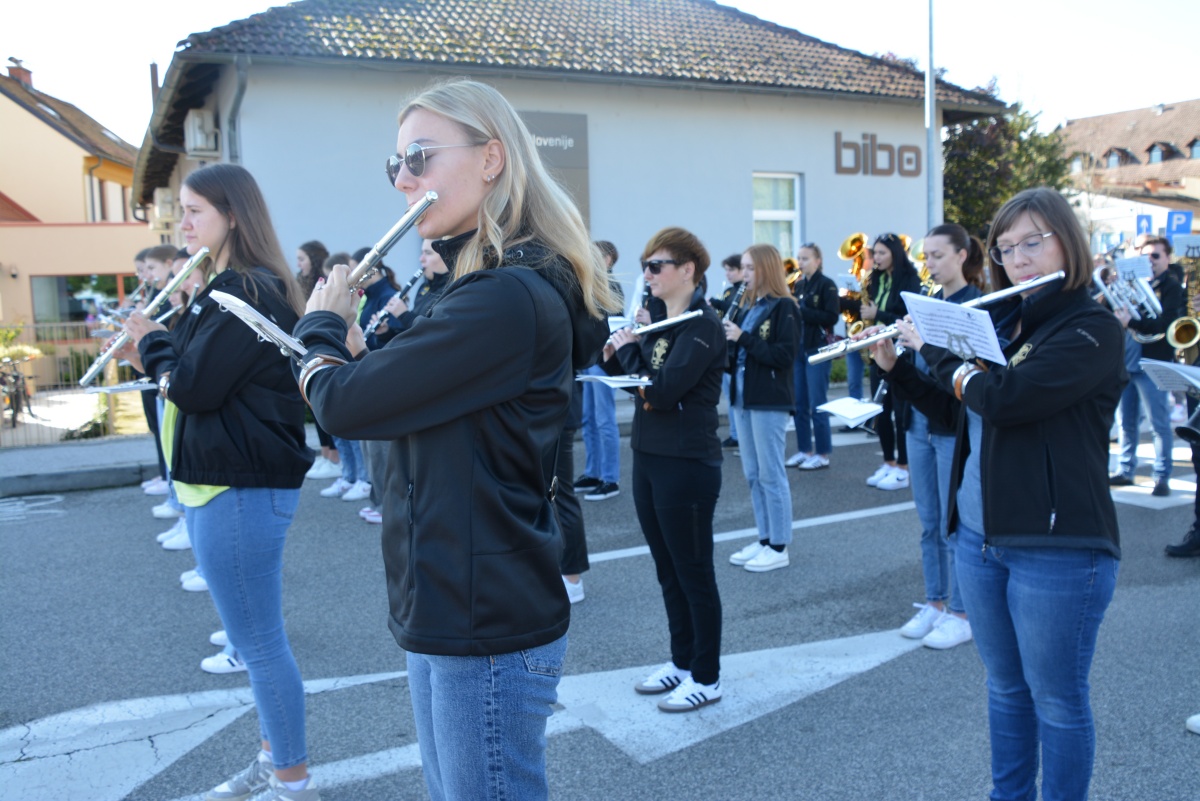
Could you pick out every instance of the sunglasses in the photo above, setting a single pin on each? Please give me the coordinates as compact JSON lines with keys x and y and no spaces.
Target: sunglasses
{"x":655,"y":265}
{"x":414,"y":158}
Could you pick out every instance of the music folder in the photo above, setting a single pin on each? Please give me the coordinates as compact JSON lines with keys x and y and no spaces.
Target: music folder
{"x":267,"y":331}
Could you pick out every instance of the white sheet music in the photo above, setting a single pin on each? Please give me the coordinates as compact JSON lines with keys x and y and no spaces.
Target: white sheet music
{"x":965,"y":332}
{"x":266,"y":330}
{"x":854,"y":411}
{"x":617,"y":381}
{"x":1171,"y":377}
{"x":1133,"y":267}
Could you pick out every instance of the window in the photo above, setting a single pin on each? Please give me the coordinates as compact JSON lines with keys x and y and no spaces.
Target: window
{"x":1114,"y":159}
{"x":777,"y":211}
{"x":1156,"y":155}
{"x":1077,"y":164}
{"x":1195,"y":148}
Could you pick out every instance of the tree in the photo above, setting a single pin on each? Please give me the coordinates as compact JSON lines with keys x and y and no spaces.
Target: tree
{"x":989,"y":160}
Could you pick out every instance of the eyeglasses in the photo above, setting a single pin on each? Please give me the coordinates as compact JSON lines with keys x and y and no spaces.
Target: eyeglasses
{"x":1031,"y":246}
{"x":414,"y":158}
{"x":1155,"y":256}
{"x":655,"y":265}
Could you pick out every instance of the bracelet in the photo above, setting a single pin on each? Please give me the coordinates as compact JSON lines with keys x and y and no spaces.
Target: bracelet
{"x":314,"y":366}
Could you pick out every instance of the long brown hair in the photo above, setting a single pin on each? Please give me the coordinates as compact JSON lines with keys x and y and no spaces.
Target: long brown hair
{"x":251,"y":242}
{"x":769,"y":277}
{"x":1059,"y":217}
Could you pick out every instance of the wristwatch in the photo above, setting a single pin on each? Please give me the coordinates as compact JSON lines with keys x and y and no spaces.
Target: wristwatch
{"x":164,"y":383}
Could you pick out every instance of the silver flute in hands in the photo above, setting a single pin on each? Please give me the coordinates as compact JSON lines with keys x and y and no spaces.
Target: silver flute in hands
{"x":367,"y":267}
{"x":839,"y":349}
{"x":164,"y":295}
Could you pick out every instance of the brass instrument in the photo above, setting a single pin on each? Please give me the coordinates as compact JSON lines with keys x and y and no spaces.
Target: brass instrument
{"x":1184,"y":333}
{"x":854,"y":249}
{"x":402,"y":294}
{"x":1135,"y":296}
{"x":892,"y":331}
{"x":791,"y":271}
{"x":369,"y":264}
{"x":164,"y":296}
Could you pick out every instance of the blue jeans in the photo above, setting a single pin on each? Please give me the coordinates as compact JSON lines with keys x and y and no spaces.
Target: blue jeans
{"x":812,"y":390}
{"x":854,"y":374}
{"x":762,"y":444}
{"x":930,"y":461}
{"x":1157,"y":403}
{"x":481,"y":721}
{"x":601,"y":438}
{"x":172,"y":498}
{"x":725,"y":379}
{"x":1035,"y":614}
{"x":354,"y":468}
{"x":238,"y":539}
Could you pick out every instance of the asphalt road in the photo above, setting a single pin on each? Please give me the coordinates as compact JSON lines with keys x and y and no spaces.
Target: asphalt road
{"x":93,"y":615}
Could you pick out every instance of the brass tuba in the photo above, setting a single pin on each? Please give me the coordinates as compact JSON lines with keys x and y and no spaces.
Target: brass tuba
{"x":854,"y":249}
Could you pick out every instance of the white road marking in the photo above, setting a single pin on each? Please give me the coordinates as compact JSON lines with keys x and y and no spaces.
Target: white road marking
{"x":808,"y":522}
{"x":19,"y":508}
{"x":105,"y":751}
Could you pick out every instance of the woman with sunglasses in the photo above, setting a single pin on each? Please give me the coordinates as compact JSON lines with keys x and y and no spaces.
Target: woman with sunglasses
{"x":677,"y":463}
{"x":891,"y":274}
{"x":473,"y":397}
{"x":955,"y":262}
{"x":1037,"y":546}
{"x":233,"y":432}
{"x":763,"y":396}
{"x":817,"y":302}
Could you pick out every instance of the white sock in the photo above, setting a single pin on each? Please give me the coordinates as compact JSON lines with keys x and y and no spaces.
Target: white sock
{"x":294,"y":786}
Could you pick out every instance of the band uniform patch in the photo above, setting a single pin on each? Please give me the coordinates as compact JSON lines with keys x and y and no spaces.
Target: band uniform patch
{"x":659,"y":354}
{"x":764,"y":330}
{"x":1020,"y":355}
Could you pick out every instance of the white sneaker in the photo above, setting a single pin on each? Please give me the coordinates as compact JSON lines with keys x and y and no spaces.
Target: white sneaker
{"x":219,"y":638}
{"x":814,"y":462}
{"x":879,"y":475}
{"x":768,"y":559}
{"x":323,"y":468}
{"x":222,"y":663}
{"x":337,"y":489}
{"x":180,"y":526}
{"x":795,"y":459}
{"x":195,"y":584}
{"x":690,"y":695}
{"x":179,"y":542}
{"x":746,"y":554}
{"x":187,"y":574}
{"x":372,"y":517}
{"x":1193,"y":724}
{"x":574,"y":589}
{"x":150,"y":481}
{"x":359,"y":491}
{"x":950,"y":630}
{"x":667,"y":677}
{"x":165,"y":511}
{"x":897,"y":479}
{"x":922,"y":622}
{"x":156,"y":487}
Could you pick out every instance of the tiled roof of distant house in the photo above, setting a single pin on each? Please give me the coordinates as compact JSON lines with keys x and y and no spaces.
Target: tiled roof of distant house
{"x":70,"y":122}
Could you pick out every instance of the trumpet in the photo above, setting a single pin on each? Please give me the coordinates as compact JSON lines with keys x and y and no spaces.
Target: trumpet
{"x":845,"y":346}
{"x":369,"y":264}
{"x":402,"y":294}
{"x":164,"y":296}
{"x":1134,"y":295}
{"x":854,"y":249}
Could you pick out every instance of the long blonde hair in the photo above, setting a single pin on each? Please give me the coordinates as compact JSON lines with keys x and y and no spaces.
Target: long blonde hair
{"x":526,"y":203}
{"x":769,"y":280}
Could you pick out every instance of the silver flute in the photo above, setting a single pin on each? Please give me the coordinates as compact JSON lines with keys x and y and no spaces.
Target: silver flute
{"x":367,"y":267}
{"x":839,"y":349}
{"x":163,"y":296}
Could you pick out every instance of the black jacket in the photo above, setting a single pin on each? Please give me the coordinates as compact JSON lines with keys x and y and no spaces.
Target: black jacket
{"x":1174,"y":305}
{"x":1046,"y":417}
{"x":473,"y":397}
{"x":723,"y":303}
{"x":686,"y":362}
{"x":904,"y":279}
{"x":817,"y":300}
{"x":426,"y":296}
{"x":241,"y":419}
{"x":770,"y":354}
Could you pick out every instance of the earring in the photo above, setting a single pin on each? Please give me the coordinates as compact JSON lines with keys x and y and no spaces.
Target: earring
{"x":490,"y":178}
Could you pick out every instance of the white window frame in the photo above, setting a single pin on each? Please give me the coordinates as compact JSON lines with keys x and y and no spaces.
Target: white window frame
{"x":796,"y":216}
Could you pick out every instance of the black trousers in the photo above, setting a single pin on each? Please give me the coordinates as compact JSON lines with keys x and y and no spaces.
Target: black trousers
{"x":891,"y":437}
{"x":675,"y":499}
{"x":566,"y":504}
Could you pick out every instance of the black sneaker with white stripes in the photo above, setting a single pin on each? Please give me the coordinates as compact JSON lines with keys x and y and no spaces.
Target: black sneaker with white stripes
{"x":603,"y":492}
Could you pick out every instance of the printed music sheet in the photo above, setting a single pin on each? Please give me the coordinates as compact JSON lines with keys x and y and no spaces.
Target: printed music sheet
{"x":617,"y":381}
{"x":853,"y":411}
{"x":1133,"y":267}
{"x":1171,"y":377}
{"x":965,"y":332}
{"x":265,"y":329}
{"x":140,"y":385}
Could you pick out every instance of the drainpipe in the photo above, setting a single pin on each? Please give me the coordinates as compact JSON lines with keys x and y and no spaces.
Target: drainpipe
{"x":92,"y":184}
{"x":242,"y":64}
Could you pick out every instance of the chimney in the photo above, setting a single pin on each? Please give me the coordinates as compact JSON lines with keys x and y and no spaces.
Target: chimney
{"x":154,"y":85}
{"x":18,"y":72}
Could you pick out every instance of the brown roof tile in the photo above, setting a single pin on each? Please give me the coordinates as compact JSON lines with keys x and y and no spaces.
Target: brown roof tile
{"x":1178,"y":124}
{"x":669,"y":40}
{"x":70,"y":122}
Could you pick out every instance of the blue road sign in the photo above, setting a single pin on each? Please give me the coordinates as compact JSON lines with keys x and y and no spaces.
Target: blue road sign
{"x":1179,"y":222}
{"x":1143,"y":224}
